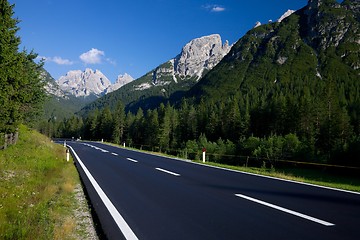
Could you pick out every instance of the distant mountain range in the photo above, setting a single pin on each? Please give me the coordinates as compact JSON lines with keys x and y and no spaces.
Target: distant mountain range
{"x":89,"y":82}
{"x":179,"y":74}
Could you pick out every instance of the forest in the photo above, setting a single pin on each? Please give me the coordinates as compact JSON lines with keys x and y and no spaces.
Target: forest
{"x":307,"y":129}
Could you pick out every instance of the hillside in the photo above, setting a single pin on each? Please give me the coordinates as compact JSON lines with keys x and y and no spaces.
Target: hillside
{"x":298,"y":76}
{"x":313,"y":55}
{"x":309,"y":47}
{"x":173,"y":77}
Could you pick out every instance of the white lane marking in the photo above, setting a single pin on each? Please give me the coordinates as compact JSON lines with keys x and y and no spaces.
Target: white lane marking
{"x":132,"y":160}
{"x":120,"y":221}
{"x":115,"y":154}
{"x":166,"y":171}
{"x":104,"y":151}
{"x":328,"y":224}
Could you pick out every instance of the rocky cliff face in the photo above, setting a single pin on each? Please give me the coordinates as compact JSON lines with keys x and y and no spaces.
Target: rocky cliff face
{"x":120,"y":81}
{"x":200,"y":54}
{"x":197,"y":57}
{"x":89,"y":82}
{"x":327,"y":23}
{"x":51,"y":87}
{"x":84,"y":83}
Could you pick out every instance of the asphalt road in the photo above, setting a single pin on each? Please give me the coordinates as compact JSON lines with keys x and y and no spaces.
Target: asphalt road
{"x":144,"y":196}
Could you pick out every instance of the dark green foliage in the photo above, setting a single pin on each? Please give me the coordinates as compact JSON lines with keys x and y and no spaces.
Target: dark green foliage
{"x":21,"y":88}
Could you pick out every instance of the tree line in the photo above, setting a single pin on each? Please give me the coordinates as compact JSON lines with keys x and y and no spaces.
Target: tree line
{"x":281,"y":127}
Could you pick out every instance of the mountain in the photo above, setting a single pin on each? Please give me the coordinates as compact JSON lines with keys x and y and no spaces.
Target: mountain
{"x":174,"y":76}
{"x":84,"y":83}
{"x":90,"y":83}
{"x":120,"y":81}
{"x":315,"y":43}
{"x":60,"y":104}
{"x":51,"y":87}
{"x":197,"y":57}
{"x":300,"y":75}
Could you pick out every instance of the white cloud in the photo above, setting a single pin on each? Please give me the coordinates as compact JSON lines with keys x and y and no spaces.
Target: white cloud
{"x":62,"y":61}
{"x":56,"y":59}
{"x":214,"y":8}
{"x":92,"y":56}
{"x":217,"y":9}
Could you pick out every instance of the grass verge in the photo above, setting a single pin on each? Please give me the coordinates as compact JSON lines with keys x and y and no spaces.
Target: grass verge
{"x":38,"y":190}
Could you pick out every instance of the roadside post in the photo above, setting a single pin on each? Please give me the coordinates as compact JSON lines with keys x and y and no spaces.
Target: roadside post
{"x":203,"y":153}
{"x":67,"y":155}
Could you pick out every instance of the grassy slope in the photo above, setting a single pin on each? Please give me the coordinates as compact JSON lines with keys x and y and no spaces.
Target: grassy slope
{"x":37,"y":199}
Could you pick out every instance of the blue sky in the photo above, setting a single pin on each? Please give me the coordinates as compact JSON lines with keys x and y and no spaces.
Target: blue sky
{"x":132,"y":36}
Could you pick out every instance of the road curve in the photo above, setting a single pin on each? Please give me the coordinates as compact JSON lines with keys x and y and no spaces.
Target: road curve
{"x":145,"y":196}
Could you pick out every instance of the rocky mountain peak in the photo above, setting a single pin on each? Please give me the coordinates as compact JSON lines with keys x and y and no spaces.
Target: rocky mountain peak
{"x":84,"y":83}
{"x":200,"y":54}
{"x":120,"y":81}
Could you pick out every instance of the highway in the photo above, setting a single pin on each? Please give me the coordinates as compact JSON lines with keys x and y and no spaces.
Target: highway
{"x":143,"y":196}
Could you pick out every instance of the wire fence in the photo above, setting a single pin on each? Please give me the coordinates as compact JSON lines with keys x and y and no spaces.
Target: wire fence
{"x":251,"y":161}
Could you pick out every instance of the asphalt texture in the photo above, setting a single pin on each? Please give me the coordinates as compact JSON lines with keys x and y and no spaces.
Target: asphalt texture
{"x":164,"y":198}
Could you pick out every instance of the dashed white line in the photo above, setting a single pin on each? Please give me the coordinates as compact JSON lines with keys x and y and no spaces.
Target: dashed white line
{"x":120,"y":221}
{"x":166,"y":171}
{"x":115,"y":154}
{"x":328,"y":224}
{"x":132,"y":160}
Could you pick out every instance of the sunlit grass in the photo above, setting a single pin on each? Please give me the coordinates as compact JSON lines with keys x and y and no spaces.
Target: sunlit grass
{"x":36,"y":190}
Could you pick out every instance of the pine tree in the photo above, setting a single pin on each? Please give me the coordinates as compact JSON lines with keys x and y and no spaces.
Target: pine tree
{"x":151,"y":130}
{"x":119,"y":123}
{"x":21,"y":88}
{"x":106,"y":124}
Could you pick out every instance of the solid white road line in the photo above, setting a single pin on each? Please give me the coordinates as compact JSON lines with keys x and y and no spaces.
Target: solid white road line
{"x":132,"y":160}
{"x":166,"y":171}
{"x":328,"y":224}
{"x":120,"y":221}
{"x":115,"y":154}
